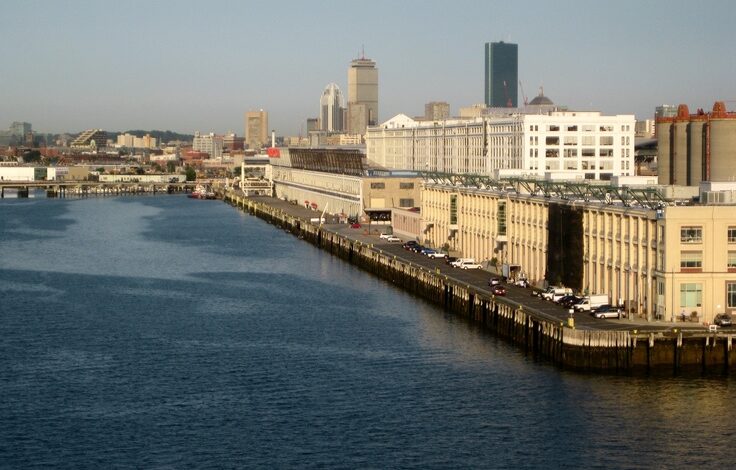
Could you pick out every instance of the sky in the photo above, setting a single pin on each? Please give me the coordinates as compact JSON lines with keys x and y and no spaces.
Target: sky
{"x":67,"y":66}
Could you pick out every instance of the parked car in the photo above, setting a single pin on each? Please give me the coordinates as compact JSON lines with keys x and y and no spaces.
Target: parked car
{"x":498,"y":289}
{"x":417,"y":248}
{"x":522,"y":282}
{"x":450,"y":259}
{"x":459,"y":261}
{"x":409,"y":244}
{"x":384,"y":236}
{"x":470,"y":265}
{"x":494,"y":281}
{"x":723,"y":319}
{"x":426,"y":251}
{"x":393,"y":239}
{"x":355,"y":225}
{"x":607,"y":311}
{"x":436,"y":255}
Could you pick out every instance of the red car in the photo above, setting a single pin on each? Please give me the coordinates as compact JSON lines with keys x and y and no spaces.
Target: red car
{"x":355,"y":225}
{"x":498,"y":289}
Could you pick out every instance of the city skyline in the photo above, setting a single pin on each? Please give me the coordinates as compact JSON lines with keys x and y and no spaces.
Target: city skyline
{"x":150,"y":72}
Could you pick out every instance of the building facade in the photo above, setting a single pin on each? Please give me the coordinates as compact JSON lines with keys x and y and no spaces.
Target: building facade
{"x":362,"y":95}
{"x":436,"y":111}
{"x":501,"y":74}
{"x":578,"y":144}
{"x":91,"y":139}
{"x":256,"y":129}
{"x":210,"y":144}
{"x":331,"y":106}
{"x":657,"y":263}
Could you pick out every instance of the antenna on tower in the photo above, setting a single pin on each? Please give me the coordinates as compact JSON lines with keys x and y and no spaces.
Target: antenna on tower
{"x":362,"y":51}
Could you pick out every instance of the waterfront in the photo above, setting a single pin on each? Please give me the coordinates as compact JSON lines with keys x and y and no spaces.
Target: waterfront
{"x":159,"y":331}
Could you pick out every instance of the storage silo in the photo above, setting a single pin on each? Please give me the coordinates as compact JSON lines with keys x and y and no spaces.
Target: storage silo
{"x":696,"y":153}
{"x":679,"y":146}
{"x":722,"y":148}
{"x":664,"y":154}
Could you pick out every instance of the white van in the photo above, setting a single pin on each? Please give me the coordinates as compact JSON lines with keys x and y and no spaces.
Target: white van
{"x":459,"y":261}
{"x":556,"y":293}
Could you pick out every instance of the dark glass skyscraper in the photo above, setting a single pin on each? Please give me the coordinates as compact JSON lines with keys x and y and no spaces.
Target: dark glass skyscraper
{"x":502,"y":74}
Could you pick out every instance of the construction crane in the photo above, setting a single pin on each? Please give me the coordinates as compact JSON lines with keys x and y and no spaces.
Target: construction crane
{"x":523,"y":95}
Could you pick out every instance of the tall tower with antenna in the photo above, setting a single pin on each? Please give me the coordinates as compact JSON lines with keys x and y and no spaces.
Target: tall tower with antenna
{"x":362,"y":94}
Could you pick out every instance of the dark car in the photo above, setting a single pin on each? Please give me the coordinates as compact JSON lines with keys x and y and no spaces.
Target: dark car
{"x":355,"y":225}
{"x":723,"y":319}
{"x":409,"y":244}
{"x":569,"y":300}
{"x":450,"y":259}
{"x":498,"y":289}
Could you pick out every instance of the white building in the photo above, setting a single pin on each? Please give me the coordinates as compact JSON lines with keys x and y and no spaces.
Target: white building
{"x":581,"y":144}
{"x":131,"y":141}
{"x":331,"y":106}
{"x":208,"y":143}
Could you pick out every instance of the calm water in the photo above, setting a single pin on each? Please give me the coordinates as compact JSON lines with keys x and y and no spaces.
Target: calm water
{"x":161,"y":332}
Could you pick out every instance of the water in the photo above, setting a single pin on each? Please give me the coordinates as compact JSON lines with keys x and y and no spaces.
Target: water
{"x":161,"y":332}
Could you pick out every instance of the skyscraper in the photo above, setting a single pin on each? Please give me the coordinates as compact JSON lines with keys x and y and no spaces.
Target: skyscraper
{"x":256,"y":129}
{"x":502,"y":74}
{"x":436,"y":110}
{"x":362,"y":95}
{"x":331,"y":105}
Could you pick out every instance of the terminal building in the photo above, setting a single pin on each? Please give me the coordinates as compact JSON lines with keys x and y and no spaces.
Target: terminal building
{"x":660,"y":255}
{"x":340,"y":181}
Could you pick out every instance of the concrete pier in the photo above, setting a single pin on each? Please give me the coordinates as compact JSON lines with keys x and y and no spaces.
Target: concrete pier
{"x":601,"y":350}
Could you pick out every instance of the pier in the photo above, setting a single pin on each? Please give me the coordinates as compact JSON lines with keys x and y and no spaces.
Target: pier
{"x":87,"y":188}
{"x":544,"y":332}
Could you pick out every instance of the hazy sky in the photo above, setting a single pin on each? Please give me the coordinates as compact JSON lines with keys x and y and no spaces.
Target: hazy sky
{"x":199,"y":65}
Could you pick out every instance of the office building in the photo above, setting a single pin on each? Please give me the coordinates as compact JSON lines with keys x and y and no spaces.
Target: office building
{"x":20,"y":129}
{"x":331,"y":106}
{"x":313,"y":125}
{"x":91,"y":139}
{"x":362,"y":95}
{"x":501,"y":74}
{"x":436,"y":111}
{"x":210,"y":144}
{"x":568,"y":144}
{"x":256,"y":129}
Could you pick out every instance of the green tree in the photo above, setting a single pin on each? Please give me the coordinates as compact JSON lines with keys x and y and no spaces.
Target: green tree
{"x":191,"y":173}
{"x":170,"y":166}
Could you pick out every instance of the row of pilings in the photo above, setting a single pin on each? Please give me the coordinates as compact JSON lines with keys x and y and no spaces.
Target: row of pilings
{"x":617,"y":351}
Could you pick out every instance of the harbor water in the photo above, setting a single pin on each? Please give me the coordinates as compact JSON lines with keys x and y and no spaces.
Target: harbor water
{"x":165,"y":332}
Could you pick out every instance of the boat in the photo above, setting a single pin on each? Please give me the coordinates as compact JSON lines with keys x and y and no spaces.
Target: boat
{"x":202,"y":192}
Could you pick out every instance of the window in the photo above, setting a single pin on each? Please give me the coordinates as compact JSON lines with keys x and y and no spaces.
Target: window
{"x":570,"y":140}
{"x":571,"y":153}
{"x":552,"y":153}
{"x":606,"y":140}
{"x":502,"y":217}
{"x":691,"y":234}
{"x":588,"y":152}
{"x":731,"y":234}
{"x":453,"y":209}
{"x":588,"y":140}
{"x":553,"y":140}
{"x":572,"y":128}
{"x":406,"y":202}
{"x":731,"y":294}
{"x":731,"y":264}
{"x":588,"y":128}
{"x":691,"y":295}
{"x":606,"y":128}
{"x":378,"y":185}
{"x":606,"y":153}
{"x":691,"y":259}
{"x":406,"y":185}
{"x":553,"y":128}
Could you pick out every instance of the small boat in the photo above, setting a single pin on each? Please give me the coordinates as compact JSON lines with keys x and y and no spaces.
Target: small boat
{"x":202,"y":192}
